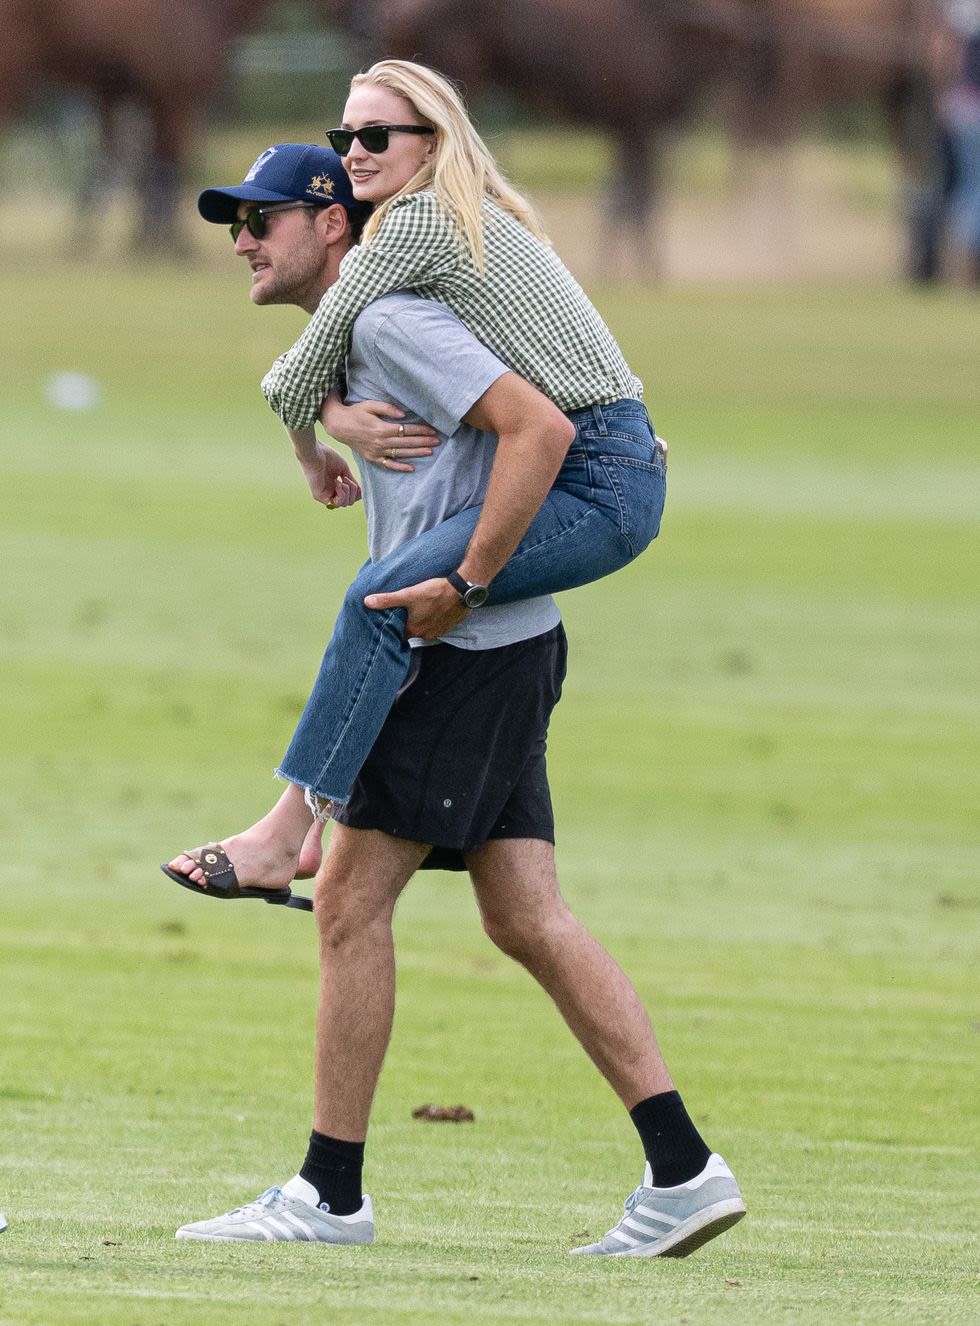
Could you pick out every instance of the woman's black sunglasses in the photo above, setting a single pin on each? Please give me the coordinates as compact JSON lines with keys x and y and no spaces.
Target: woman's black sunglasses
{"x":254,"y":220}
{"x":373,"y":137}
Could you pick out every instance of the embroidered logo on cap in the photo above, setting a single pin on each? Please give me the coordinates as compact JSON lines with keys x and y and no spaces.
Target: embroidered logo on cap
{"x":322,"y":185}
{"x":259,"y":162}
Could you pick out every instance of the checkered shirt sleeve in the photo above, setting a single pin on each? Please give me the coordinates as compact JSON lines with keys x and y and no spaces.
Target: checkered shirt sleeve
{"x":527,"y":308}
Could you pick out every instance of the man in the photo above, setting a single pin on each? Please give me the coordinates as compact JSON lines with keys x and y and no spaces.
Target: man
{"x":457,"y":773}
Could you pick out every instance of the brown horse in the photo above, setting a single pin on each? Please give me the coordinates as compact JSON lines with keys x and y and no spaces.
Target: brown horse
{"x":634,"y":68}
{"x":815,"y":54}
{"x":825,"y":53}
{"x":628,"y":68}
{"x":165,"y":58}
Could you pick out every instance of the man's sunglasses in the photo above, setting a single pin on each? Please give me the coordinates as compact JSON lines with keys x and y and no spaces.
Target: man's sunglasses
{"x":254,"y":220}
{"x":373,"y":137}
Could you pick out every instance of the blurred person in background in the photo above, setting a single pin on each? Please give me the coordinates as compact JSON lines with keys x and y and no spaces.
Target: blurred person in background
{"x":956,"y":59}
{"x":473,"y":718}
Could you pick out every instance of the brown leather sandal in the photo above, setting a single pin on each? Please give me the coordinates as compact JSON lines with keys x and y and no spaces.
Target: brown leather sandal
{"x":220,"y":881}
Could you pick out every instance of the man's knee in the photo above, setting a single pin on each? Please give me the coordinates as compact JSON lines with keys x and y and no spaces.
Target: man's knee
{"x":504,"y":932}
{"x":358,"y":885}
{"x":333,"y":906}
{"x":347,"y":907}
{"x":517,"y":892}
{"x":526,"y":933}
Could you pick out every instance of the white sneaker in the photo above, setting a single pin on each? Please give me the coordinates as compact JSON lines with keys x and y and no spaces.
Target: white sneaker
{"x":673,"y":1222}
{"x":284,"y":1215}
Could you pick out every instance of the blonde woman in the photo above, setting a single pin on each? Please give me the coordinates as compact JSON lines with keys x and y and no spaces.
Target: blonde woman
{"x":448,"y":226}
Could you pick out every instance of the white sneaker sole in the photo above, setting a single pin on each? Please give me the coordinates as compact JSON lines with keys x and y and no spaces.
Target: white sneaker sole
{"x":694,"y":1233}
{"x":234,"y":1238}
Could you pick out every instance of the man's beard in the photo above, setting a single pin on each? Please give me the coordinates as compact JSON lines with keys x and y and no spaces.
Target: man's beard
{"x":292,"y":276}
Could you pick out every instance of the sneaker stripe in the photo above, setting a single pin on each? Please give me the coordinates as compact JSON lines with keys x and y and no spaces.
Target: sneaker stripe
{"x":301,"y":1225}
{"x":641,"y":1227}
{"x":279,"y":1225}
{"x":630,"y":1240}
{"x":648,"y":1215}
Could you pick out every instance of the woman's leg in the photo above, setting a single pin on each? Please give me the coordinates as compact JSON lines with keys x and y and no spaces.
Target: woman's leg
{"x":603,"y":510}
{"x":364,"y":665}
{"x":284,"y":845}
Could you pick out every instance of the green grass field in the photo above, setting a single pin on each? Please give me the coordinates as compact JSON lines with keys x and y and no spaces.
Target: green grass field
{"x":766,"y":780}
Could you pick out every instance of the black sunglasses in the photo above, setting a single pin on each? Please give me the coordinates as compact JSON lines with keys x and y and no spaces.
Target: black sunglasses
{"x":373,"y":137}
{"x":254,"y":220}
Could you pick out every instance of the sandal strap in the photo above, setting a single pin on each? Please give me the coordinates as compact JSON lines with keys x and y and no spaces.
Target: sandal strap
{"x":214,"y":862}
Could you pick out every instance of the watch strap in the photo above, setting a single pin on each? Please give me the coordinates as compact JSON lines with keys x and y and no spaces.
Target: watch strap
{"x":471,"y":595}
{"x":460,"y":585}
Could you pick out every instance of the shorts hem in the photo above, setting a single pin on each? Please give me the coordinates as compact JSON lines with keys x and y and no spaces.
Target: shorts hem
{"x":442,"y":856}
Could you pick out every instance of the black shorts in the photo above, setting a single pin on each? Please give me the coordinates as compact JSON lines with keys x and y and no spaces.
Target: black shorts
{"x":461,"y":757}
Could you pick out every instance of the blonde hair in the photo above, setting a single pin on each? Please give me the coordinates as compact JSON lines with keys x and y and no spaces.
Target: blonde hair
{"x":461,"y":172}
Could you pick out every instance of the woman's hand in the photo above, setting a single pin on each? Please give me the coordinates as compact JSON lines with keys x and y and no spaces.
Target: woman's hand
{"x":373,"y":430}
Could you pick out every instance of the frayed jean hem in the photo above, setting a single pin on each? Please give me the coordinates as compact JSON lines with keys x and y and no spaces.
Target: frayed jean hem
{"x":320,"y":806}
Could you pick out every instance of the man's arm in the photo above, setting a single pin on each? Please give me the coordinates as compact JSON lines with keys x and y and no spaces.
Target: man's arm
{"x":327,"y":473}
{"x":416,"y":245}
{"x":533,"y":438}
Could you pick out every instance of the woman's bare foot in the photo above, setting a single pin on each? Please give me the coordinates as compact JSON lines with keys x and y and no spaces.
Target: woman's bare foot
{"x":284,"y":845}
{"x":311,"y":853}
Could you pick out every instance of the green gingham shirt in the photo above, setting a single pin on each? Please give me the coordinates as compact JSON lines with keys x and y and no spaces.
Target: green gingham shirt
{"x":528,"y":309}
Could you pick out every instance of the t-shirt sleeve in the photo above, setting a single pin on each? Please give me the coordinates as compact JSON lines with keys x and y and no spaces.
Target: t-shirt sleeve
{"x":416,"y":245}
{"x":434,"y":365}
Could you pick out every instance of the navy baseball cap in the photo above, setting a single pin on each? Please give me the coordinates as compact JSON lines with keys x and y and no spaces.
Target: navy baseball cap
{"x":286,"y":173}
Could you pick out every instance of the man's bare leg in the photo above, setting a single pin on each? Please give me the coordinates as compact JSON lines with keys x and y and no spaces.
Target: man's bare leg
{"x":525,"y":915}
{"x":357,"y":887}
{"x":688,"y":1195}
{"x":282,"y":846}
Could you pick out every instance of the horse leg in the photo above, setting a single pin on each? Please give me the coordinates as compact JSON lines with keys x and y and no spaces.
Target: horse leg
{"x":633,"y":232}
{"x":100,"y":177}
{"x":161,"y":179}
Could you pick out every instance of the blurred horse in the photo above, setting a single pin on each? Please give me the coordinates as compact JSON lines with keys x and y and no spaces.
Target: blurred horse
{"x":633,"y":68}
{"x":628,"y":68}
{"x":164,"y":58}
{"x":819,"y":54}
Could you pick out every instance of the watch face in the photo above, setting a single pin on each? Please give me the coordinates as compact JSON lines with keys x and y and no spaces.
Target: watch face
{"x":476,"y":596}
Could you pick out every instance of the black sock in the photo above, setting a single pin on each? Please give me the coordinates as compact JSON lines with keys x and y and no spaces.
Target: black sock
{"x":673,"y":1146}
{"x":334,"y":1169}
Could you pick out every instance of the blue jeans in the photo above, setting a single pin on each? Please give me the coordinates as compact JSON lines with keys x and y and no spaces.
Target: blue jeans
{"x":965,"y":136}
{"x":602,"y":511}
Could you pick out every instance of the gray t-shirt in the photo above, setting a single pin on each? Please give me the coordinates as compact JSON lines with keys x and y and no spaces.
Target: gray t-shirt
{"x":416,"y":354}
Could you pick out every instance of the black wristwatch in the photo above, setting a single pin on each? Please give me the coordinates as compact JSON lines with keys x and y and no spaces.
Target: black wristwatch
{"x":473,"y":596}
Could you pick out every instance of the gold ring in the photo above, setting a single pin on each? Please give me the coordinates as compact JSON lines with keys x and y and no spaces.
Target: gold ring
{"x":401,"y":430}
